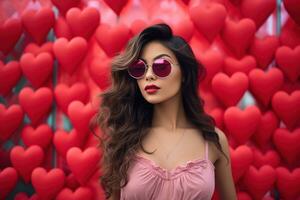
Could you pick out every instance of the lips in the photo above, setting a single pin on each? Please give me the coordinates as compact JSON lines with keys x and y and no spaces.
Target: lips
{"x":151,"y":89}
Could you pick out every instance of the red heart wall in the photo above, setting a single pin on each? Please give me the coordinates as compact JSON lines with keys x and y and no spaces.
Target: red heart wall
{"x":55,"y":59}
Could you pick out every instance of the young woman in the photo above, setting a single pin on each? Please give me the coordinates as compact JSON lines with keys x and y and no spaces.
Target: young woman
{"x":159,"y":143}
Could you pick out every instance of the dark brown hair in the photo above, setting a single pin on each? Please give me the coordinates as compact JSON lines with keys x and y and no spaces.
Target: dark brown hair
{"x":125,"y":116}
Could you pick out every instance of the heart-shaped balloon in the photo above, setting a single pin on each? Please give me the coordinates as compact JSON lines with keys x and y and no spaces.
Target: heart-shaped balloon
{"x":10,"y":74}
{"x":10,"y":119}
{"x":287,"y":144}
{"x":47,"y":184}
{"x":36,"y":50}
{"x":81,"y":193}
{"x":241,"y":159}
{"x":293,"y":8}
{"x":288,"y":61}
{"x":257,"y":10}
{"x":288,"y":183}
{"x":213,"y":61}
{"x":217,"y":114}
{"x":70,"y":53}
{"x":10,"y":32}
{"x":248,"y":119}
{"x":25,"y":161}
{"x":209,"y":19}
{"x":99,"y":70}
{"x":116,"y":5}
{"x":238,"y":35}
{"x":83,"y":164}
{"x":263,"y":85}
{"x":270,"y":157}
{"x":37,"y":69}
{"x":62,"y":29}
{"x":63,"y":141}
{"x":41,"y":136}
{"x":287,"y":107}
{"x":64,"y":94}
{"x":64,"y":6}
{"x":290,"y":34}
{"x":38,"y":23}
{"x":229,"y":89}
{"x":80,"y":115}
{"x":8,"y":180}
{"x":259,"y":181}
{"x":84,"y":22}
{"x":233,"y":65}
{"x":243,"y":196}
{"x":112,"y":39}
{"x":268,"y":124}
{"x":263,"y":49}
{"x":37,"y":103}
{"x":71,"y":182}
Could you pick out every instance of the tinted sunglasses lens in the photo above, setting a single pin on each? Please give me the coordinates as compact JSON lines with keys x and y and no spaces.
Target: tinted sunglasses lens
{"x":161,"y":67}
{"x":137,"y":69}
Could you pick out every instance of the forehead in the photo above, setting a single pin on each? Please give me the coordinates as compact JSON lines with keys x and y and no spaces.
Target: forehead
{"x":155,"y":48}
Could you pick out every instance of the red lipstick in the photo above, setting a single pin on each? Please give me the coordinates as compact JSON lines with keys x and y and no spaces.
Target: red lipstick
{"x":151,"y":89}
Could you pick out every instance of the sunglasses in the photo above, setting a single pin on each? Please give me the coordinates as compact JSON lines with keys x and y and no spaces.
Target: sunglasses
{"x":160,"y":67}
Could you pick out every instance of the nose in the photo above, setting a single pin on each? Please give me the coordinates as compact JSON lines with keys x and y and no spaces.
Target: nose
{"x":149,"y":74}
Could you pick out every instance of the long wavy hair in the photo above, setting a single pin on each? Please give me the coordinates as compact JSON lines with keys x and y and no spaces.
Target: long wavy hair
{"x":125,"y":116}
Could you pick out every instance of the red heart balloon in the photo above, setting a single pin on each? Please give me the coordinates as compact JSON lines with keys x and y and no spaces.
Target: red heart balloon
{"x":287,"y":144}
{"x":80,"y":115}
{"x":229,"y":89}
{"x":290,"y":34}
{"x":287,"y":107}
{"x":138,"y":25}
{"x":71,"y":182}
{"x":259,"y":181}
{"x":288,"y":183}
{"x":217,"y":114}
{"x":63,"y":141}
{"x":64,"y":6}
{"x":263,"y":85}
{"x":116,"y":5}
{"x":83,"y":164}
{"x":10,"y":74}
{"x":25,"y":161}
{"x":288,"y":61}
{"x":62,"y":29}
{"x":212,"y":60}
{"x":36,"y":50}
{"x":10,"y":120}
{"x":8,"y":180}
{"x":38,"y":23}
{"x":293,"y":8}
{"x":243,"y":196}
{"x":268,"y":124}
{"x":184,"y":28}
{"x":270,"y":157}
{"x":233,"y":65}
{"x":84,"y":22}
{"x":241,"y":158}
{"x":263,"y":49}
{"x":81,"y":193}
{"x":10,"y":32}
{"x":99,"y":70}
{"x":238,"y":35}
{"x":257,"y":10}
{"x":37,"y":103}
{"x":37,"y":69}
{"x":70,"y":53}
{"x":64,"y":94}
{"x":209,"y":19}
{"x":112,"y":39}
{"x":248,"y":119}
{"x":47,"y":184}
{"x":41,"y":136}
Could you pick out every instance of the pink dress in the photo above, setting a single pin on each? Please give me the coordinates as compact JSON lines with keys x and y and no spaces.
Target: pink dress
{"x":191,"y":181}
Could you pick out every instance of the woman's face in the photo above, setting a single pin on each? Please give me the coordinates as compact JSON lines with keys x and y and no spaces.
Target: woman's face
{"x":168,"y":86}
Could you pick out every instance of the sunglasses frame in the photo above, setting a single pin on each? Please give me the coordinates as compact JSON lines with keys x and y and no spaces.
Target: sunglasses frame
{"x":147,"y":67}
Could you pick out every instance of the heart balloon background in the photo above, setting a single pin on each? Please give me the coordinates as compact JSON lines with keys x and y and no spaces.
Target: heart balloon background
{"x":55,"y":59}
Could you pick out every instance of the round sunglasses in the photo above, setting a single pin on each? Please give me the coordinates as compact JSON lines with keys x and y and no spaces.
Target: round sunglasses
{"x":161,"y":67}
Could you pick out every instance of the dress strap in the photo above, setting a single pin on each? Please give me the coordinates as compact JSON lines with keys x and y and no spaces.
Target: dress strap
{"x":206,"y":150}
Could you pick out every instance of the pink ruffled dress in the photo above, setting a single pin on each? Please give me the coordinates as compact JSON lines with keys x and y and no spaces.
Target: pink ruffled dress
{"x":191,"y":181}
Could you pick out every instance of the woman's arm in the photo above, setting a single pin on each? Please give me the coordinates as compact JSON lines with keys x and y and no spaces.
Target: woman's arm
{"x":224,"y":180}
